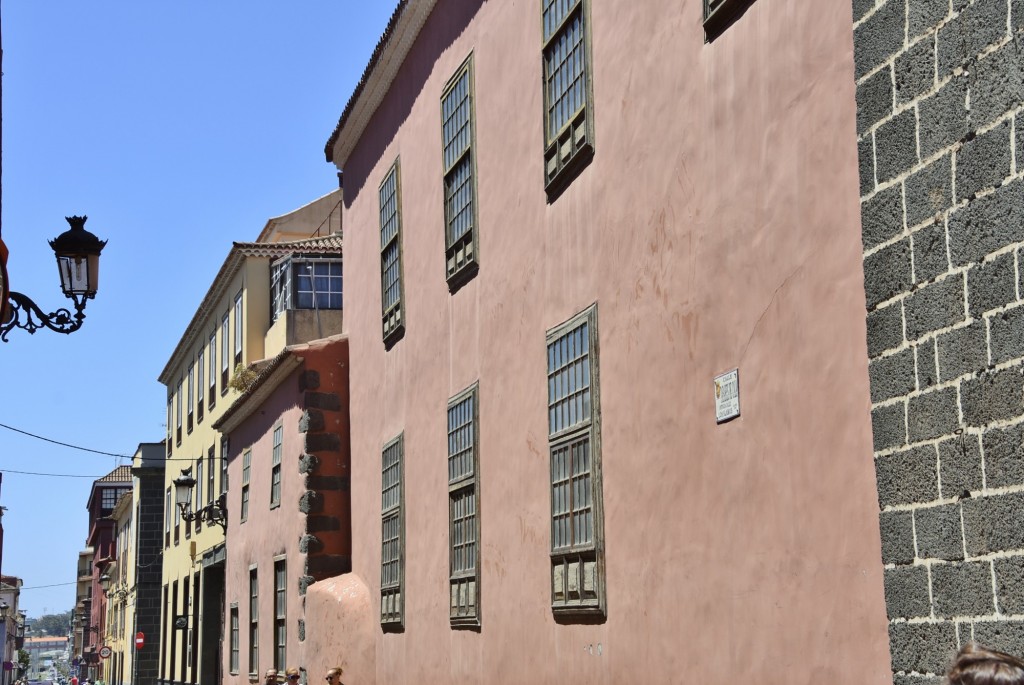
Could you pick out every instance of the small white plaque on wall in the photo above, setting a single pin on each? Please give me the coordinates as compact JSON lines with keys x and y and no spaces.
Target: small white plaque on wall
{"x":727,"y":395}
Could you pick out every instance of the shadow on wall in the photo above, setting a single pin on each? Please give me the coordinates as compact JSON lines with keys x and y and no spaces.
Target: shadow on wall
{"x":341,"y":629}
{"x":445,"y":23}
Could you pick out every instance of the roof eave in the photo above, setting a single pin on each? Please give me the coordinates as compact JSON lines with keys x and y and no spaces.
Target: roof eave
{"x":380,"y":72}
{"x":232,"y":265}
{"x":264,"y":385}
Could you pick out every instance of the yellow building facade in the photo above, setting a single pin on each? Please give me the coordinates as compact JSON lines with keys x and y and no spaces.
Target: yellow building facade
{"x":119,"y":582}
{"x":246,"y":316}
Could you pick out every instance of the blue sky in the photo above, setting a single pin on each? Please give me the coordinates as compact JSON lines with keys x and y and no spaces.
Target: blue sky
{"x":177,"y":127}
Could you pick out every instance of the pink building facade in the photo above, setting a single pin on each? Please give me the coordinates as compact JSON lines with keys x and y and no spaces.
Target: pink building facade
{"x":288,"y":524}
{"x":564,"y":220}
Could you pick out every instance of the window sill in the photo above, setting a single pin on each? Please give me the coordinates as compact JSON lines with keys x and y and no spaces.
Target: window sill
{"x":571,"y":168}
{"x":394,"y":336}
{"x":464,"y":622}
{"x":582,"y":613}
{"x":275,"y":505}
{"x":719,"y":19}
{"x":396,"y":626}
{"x":463,"y":276}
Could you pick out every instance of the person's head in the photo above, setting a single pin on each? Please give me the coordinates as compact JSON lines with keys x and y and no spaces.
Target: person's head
{"x":291,"y":676}
{"x":270,"y":676}
{"x":333,"y":676}
{"x":977,"y":665}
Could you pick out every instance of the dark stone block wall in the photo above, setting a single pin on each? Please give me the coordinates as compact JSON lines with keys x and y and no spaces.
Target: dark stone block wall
{"x":940,"y":86}
{"x":148,"y":568}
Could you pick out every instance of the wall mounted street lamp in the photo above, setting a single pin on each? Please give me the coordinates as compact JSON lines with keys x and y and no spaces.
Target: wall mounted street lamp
{"x":78,"y":261}
{"x":83,"y":621}
{"x":119,"y":593}
{"x":215,"y":512}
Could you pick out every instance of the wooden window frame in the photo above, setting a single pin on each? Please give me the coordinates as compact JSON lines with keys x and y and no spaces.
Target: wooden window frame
{"x":393,"y":316}
{"x":201,"y":382}
{"x":199,"y":492}
{"x":165,"y":629}
{"x":254,"y":622}
{"x":280,"y":287}
{"x":280,"y":613}
{"x":224,"y":465}
{"x":211,"y":400}
{"x":211,"y":457}
{"x":168,"y":504}
{"x":275,"y":466}
{"x":177,"y":523}
{"x":462,"y":255}
{"x":186,"y":638}
{"x":178,"y":414}
{"x":225,"y":351}
{"x":243,"y":505}
{"x":392,"y":593}
{"x":576,"y":568}
{"x":169,"y":442}
{"x":462,"y":584}
{"x":312,"y":263}
{"x":172,"y":659}
{"x":239,"y":330}
{"x":568,"y":150}
{"x":235,"y":628}
{"x":190,"y":424}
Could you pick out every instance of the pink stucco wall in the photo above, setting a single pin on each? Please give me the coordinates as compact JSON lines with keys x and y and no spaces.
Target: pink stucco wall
{"x":269,"y":533}
{"x":266,"y":533}
{"x":717,"y":227}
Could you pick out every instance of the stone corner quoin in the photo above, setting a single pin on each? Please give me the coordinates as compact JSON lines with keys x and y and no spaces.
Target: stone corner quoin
{"x":940,"y":90}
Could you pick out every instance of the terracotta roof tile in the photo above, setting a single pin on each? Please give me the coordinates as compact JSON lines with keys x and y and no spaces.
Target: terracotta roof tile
{"x":330,"y":244}
{"x":374,"y":59}
{"x":122,"y":474}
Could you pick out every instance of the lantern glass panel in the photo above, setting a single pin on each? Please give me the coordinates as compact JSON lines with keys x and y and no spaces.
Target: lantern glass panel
{"x":78,"y":274}
{"x":183,"y":491}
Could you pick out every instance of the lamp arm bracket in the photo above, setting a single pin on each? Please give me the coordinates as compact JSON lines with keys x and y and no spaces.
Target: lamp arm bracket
{"x":59,"y":321}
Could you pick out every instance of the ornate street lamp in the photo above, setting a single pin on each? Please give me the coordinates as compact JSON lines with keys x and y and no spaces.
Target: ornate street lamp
{"x":107,"y":592}
{"x":213,"y":513}
{"x":78,"y":261}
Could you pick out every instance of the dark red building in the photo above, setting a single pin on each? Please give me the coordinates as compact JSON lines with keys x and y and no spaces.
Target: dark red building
{"x":102,"y":530}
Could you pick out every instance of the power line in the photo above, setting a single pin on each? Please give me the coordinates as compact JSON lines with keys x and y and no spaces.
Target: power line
{"x":53,"y":475}
{"x":40,"y":587}
{"x":84,"y":449}
{"x":65,"y":444}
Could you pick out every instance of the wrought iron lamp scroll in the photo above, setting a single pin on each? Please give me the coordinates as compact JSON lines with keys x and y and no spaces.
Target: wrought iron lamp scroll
{"x":78,"y":260}
{"x":215,"y":512}
{"x":117,"y":593}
